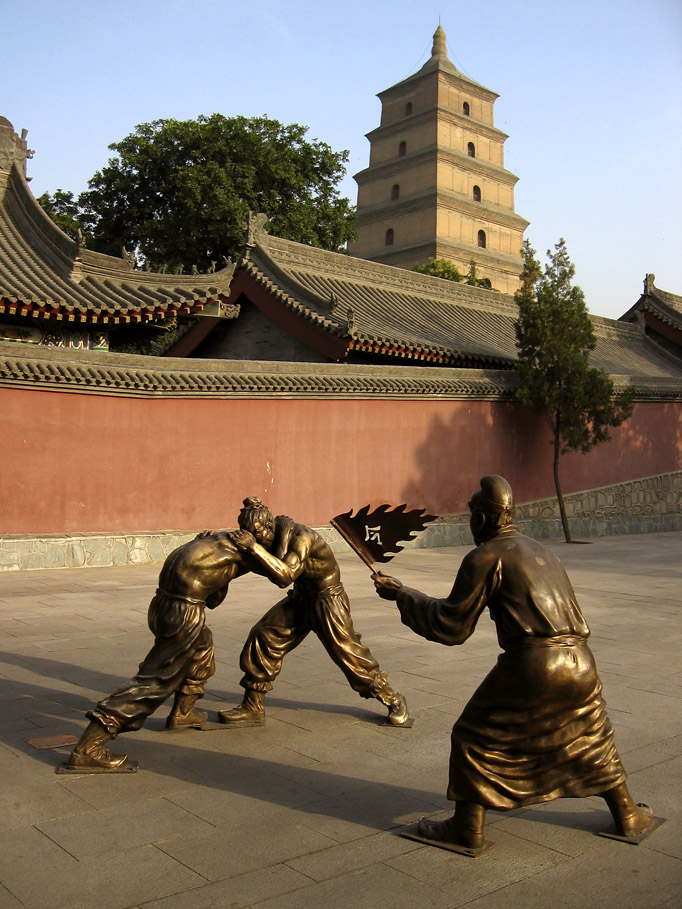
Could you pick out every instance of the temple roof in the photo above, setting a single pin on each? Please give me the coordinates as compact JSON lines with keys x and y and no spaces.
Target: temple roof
{"x":43,"y":272}
{"x":340,"y":308}
{"x":394,"y":315}
{"x":661,"y":304}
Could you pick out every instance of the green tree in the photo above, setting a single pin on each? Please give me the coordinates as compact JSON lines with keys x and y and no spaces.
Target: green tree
{"x":64,"y":211}
{"x":444,"y":268}
{"x":554,"y":336}
{"x":440,"y":268}
{"x":473,"y":280}
{"x":179,"y":191}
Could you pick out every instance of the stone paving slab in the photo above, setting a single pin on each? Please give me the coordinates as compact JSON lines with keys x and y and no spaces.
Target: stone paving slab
{"x":306,"y":810}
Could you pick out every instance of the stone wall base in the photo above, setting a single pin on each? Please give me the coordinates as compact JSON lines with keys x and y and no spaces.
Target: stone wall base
{"x":648,"y":505}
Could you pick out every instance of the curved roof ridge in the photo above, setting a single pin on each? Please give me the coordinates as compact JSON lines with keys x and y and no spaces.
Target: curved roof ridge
{"x":42,"y":269}
{"x":284,"y":252}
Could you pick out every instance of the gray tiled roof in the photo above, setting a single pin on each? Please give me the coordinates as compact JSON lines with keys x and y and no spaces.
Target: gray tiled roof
{"x":403,"y":314}
{"x":663,"y":305}
{"x":43,"y":270}
{"x":24,"y":366}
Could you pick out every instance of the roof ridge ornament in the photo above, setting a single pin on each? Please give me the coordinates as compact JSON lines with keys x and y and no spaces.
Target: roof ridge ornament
{"x":77,"y":266}
{"x":255,"y":229}
{"x":13,"y":148}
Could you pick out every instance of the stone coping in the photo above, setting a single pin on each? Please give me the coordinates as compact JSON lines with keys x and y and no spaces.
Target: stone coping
{"x":93,"y":372}
{"x":648,"y":505}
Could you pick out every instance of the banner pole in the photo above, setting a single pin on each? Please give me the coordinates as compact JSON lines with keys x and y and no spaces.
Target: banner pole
{"x":353,"y":545}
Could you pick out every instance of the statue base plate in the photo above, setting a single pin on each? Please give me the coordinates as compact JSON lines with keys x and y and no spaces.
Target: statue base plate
{"x":128,"y":767}
{"x":637,"y":838}
{"x":412,"y":833}
{"x":245,"y":723}
{"x":208,"y":726}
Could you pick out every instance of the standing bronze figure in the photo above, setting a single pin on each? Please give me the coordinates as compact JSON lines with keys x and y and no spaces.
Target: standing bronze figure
{"x":536,"y":729}
{"x":194,"y":577}
{"x":289,"y":553}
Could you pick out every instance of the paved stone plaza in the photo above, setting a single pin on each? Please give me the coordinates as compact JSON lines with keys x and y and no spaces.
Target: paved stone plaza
{"x":305,"y":811}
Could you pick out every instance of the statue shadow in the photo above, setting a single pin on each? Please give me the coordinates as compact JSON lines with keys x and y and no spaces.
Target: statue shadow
{"x":221,"y":760}
{"x":498,"y":438}
{"x":207,"y":762}
{"x":100,"y":684}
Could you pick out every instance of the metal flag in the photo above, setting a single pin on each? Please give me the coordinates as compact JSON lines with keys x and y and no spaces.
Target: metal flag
{"x":376,"y":536}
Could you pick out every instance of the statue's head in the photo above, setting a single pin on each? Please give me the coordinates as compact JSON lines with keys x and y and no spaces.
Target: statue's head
{"x":492,"y":508}
{"x":258,"y":520}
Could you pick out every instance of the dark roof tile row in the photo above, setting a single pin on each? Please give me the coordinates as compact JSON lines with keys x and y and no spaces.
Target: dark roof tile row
{"x":42,"y":268}
{"x":401,"y":313}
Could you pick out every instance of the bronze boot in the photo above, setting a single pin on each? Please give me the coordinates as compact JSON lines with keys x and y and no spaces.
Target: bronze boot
{"x":463,"y":829}
{"x":631,"y":820}
{"x":90,"y":754}
{"x":183,"y":715}
{"x":251,"y":711}
{"x":397,"y":706}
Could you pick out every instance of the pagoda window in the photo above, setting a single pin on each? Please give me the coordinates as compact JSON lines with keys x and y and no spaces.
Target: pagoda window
{"x":389,"y":237}
{"x":471,"y":150}
{"x":477,"y":193}
{"x":395,"y":191}
{"x":402,"y":149}
{"x":408,"y":109}
{"x":481,"y":239}
{"x":465,"y":108}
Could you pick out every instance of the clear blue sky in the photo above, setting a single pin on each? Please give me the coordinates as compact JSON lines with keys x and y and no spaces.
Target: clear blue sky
{"x":590,"y":96}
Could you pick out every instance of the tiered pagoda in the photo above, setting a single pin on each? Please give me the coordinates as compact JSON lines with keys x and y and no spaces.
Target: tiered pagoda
{"x":436,"y":185}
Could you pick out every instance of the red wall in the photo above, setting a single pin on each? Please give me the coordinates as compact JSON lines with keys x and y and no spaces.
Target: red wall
{"x":78,"y":463}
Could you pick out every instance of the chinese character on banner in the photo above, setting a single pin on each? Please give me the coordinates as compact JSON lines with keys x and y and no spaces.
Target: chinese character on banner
{"x":376,"y":536}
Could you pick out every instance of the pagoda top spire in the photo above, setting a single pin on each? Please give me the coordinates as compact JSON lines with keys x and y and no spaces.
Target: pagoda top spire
{"x":439,"y":48}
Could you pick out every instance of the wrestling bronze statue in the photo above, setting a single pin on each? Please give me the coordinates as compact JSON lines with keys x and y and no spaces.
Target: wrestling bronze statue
{"x":194,"y":577}
{"x":289,"y":553}
{"x":536,"y":729}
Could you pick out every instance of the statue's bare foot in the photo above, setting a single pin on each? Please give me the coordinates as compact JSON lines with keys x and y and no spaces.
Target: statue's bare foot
{"x":195,"y":719}
{"x":397,"y":711}
{"x":636,"y":822}
{"x":241,"y":716}
{"x":450,"y":832}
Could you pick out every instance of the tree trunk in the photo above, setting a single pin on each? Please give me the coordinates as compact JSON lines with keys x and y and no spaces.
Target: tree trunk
{"x":557,"y":483}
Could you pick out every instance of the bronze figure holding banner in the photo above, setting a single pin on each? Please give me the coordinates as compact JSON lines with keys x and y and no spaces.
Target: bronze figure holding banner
{"x":536,"y":729}
{"x":292,"y":554}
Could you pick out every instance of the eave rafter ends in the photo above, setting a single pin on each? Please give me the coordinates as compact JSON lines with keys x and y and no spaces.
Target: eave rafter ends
{"x":61,"y":311}
{"x":663,"y":312}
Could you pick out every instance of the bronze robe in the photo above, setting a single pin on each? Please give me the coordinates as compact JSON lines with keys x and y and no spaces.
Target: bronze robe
{"x":536,"y":728}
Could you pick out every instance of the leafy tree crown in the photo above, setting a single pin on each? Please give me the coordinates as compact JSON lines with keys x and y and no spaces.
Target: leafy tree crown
{"x":554,"y":337}
{"x":179,"y":191}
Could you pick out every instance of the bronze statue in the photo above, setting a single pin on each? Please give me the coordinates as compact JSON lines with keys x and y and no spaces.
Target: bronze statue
{"x":289,"y":553}
{"x":536,"y":729}
{"x":194,"y":576}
